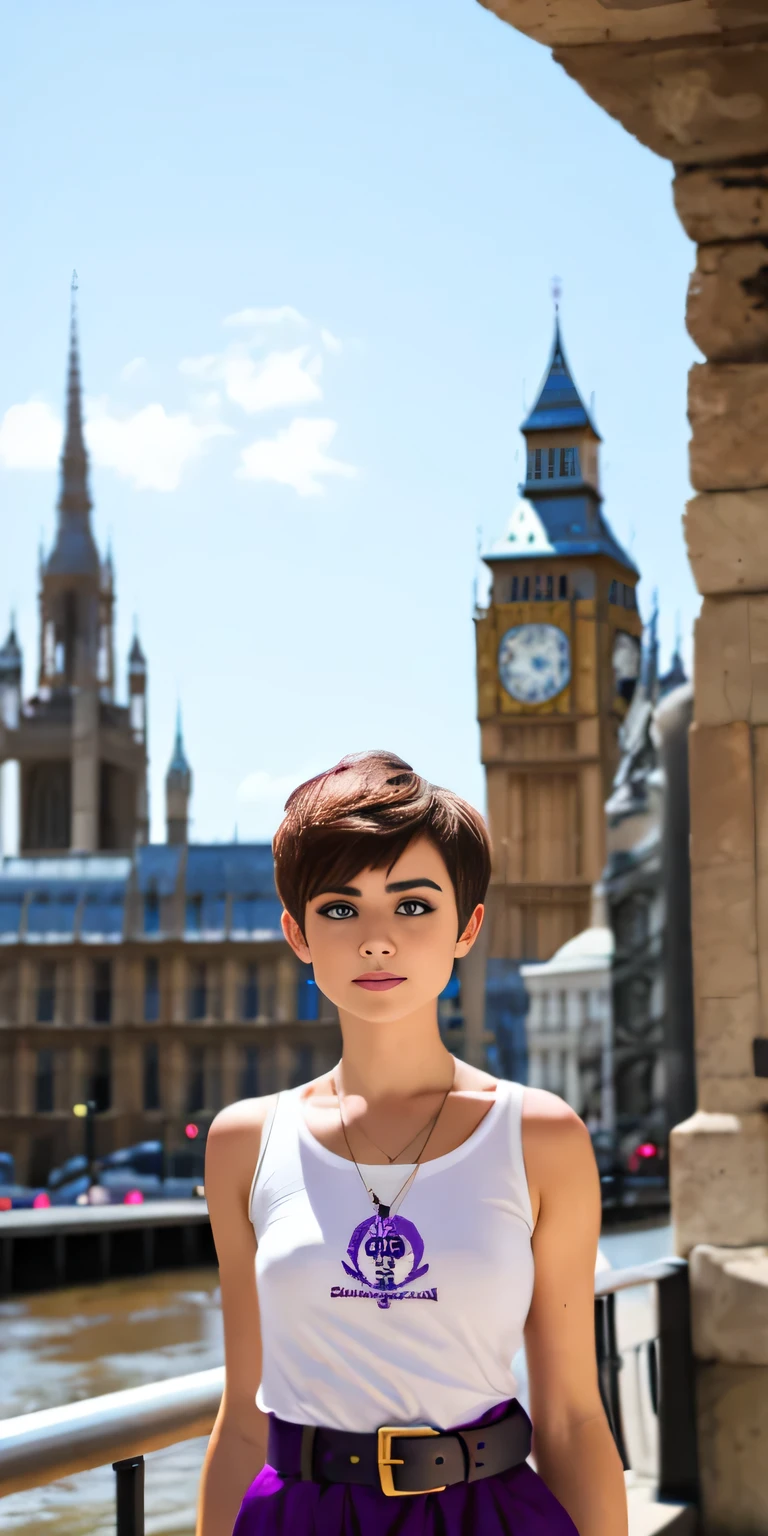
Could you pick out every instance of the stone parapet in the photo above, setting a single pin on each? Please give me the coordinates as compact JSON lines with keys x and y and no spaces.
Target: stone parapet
{"x":731,"y":660}
{"x":727,"y":313}
{"x":724,"y":203}
{"x":727,"y":537}
{"x":729,"y":1304}
{"x":696,"y":104}
{"x":558,"y":22}
{"x":728,"y":412}
{"x":719,"y":1180}
{"x":732,"y":1412}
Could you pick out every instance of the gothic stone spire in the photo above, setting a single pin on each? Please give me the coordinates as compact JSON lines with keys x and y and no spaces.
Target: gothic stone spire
{"x":74,"y":552}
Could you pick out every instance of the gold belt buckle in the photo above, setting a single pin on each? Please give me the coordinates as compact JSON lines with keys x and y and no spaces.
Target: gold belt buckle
{"x":387,"y":1461}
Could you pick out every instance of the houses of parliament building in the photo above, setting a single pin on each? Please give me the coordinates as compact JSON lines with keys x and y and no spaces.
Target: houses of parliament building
{"x":150,"y":979}
{"x":153,"y":980}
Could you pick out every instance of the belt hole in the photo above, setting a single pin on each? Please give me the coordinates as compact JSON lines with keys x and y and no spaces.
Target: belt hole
{"x":354,"y":1458}
{"x":439,"y":1461}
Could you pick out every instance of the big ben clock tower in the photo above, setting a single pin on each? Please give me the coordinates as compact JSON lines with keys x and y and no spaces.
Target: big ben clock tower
{"x":558,"y":653}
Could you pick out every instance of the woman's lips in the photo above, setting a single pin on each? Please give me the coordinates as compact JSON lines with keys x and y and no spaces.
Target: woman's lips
{"x":378,"y":983}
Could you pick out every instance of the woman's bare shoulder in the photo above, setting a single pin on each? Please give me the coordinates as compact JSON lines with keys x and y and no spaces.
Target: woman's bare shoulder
{"x":234,"y":1138}
{"x":471,"y":1080}
{"x":556,"y":1143}
{"x":542,"y":1108}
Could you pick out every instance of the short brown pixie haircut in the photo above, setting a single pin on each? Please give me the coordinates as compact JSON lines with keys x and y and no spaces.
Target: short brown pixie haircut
{"x":362,"y":814}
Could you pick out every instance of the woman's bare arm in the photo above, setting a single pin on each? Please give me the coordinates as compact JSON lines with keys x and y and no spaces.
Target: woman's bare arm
{"x":237,"y":1447}
{"x":572,"y":1443}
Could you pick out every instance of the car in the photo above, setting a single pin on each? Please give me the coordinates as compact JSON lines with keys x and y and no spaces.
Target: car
{"x":633,"y":1169}
{"x":69,"y":1181}
{"x":20,"y":1197}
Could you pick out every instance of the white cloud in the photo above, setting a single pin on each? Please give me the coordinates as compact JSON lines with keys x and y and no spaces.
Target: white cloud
{"x":30,"y":436}
{"x":281,"y":379}
{"x":151,"y":447}
{"x":282,"y":314}
{"x":134,"y":366}
{"x":200,"y":367}
{"x":284,"y":378}
{"x":296,"y":457}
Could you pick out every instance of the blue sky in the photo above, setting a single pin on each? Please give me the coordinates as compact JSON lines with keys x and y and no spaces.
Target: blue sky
{"x":315,"y":246}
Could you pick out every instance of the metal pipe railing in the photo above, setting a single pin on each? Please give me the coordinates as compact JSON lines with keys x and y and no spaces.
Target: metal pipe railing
{"x":40,"y":1447}
{"x":122,"y":1427}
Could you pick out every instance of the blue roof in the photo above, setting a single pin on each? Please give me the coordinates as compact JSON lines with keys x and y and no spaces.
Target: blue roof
{"x":227,"y":887}
{"x":102,"y":915}
{"x":157,"y":868}
{"x":256,"y":915}
{"x":66,"y":897}
{"x":559,"y":405}
{"x":244,"y":869}
{"x":10,"y":916}
{"x":51,"y":915}
{"x":560,"y":524}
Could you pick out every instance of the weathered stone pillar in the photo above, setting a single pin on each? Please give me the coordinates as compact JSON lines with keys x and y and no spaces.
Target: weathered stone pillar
{"x":689,"y":78}
{"x":231,"y":1068}
{"x":85,"y":770}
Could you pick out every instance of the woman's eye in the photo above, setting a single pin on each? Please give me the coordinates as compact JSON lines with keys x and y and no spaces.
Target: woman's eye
{"x":413,"y":908}
{"x":339,"y":910}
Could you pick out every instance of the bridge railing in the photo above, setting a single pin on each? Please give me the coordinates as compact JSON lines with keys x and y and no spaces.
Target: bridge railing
{"x":122,"y":1427}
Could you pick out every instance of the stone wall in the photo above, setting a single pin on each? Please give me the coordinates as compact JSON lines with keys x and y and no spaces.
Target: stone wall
{"x":689,"y":79}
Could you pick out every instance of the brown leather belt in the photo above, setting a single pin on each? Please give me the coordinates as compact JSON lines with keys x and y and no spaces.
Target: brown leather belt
{"x":400,"y":1459}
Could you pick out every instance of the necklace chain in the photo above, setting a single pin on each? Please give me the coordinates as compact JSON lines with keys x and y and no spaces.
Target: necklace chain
{"x":415,"y":1137}
{"x":382,"y":1208}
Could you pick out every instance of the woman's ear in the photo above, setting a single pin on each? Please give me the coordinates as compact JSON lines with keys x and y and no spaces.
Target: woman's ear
{"x":467,"y":938}
{"x":295,"y":937}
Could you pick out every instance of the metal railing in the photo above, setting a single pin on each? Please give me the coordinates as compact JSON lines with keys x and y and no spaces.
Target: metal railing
{"x":122,"y":1427}
{"x":670,"y":1367}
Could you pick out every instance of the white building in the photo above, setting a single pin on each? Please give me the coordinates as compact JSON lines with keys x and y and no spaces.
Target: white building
{"x":570,"y":1022}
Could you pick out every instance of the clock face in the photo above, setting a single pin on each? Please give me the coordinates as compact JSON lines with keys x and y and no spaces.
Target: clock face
{"x":534,"y":662}
{"x":626,"y":656}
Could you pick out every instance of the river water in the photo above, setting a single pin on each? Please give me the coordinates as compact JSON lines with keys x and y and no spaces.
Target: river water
{"x":63,"y":1346}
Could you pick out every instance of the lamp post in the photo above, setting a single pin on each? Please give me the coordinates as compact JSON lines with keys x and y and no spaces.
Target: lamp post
{"x":86,"y":1112}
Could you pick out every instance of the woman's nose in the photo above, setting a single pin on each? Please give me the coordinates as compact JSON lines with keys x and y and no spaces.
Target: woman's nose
{"x":371,"y":949}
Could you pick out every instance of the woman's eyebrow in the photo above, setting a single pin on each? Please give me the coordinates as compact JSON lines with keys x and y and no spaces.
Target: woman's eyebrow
{"x":338,"y":890}
{"x":410,"y":885}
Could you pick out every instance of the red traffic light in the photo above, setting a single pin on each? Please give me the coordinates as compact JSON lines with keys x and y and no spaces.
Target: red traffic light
{"x":190,"y":1131}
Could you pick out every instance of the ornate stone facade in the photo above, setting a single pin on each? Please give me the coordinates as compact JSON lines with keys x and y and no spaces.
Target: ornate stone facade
{"x":159,"y":986}
{"x":558,"y":652}
{"x":689,"y":79}
{"x":82,"y":756}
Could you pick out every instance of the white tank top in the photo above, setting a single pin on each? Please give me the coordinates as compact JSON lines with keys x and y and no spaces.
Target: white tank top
{"x":418,"y":1324}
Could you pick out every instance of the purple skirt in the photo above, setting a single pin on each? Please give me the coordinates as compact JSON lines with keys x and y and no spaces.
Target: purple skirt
{"x":513,"y":1503}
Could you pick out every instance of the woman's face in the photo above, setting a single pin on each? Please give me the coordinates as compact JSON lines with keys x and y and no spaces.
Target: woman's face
{"x":384,"y":946}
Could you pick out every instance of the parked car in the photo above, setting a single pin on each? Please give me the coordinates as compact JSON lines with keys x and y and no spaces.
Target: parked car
{"x":20,"y":1197}
{"x":633,"y":1169}
{"x":646,"y":1169}
{"x":143,"y":1170}
{"x":69,"y":1181}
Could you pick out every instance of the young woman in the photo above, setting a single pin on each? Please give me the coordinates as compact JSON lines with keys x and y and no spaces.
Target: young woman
{"x":412,"y":1220}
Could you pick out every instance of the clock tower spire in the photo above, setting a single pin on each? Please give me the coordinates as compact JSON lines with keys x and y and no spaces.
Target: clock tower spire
{"x":558,"y":653}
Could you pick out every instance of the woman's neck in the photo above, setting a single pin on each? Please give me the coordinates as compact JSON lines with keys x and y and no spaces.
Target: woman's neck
{"x":397,"y":1060}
